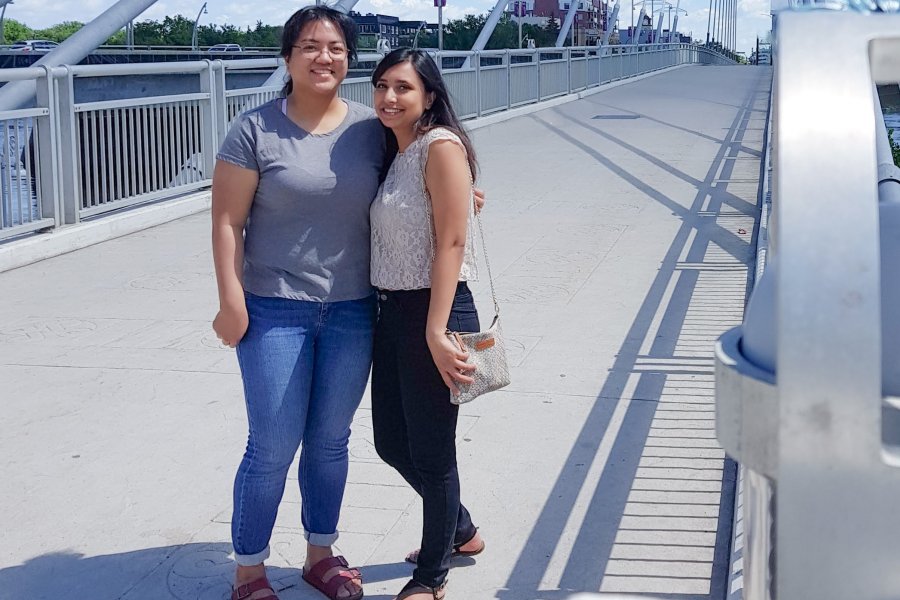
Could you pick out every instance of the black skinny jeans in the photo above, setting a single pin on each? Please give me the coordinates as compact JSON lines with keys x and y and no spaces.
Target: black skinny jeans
{"x":415,"y":423}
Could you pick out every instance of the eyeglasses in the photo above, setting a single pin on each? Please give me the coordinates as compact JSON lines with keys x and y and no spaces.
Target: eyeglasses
{"x":312,"y":52}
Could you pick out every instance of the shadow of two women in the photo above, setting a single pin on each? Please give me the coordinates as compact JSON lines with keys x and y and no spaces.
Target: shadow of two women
{"x":197,"y":571}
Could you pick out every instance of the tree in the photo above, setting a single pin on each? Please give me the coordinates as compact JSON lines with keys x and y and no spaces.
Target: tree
{"x":60,"y":32}
{"x":263,"y":36}
{"x":506,"y":34}
{"x":178,"y":31}
{"x":149,"y":33}
{"x":14,"y":31}
{"x":460,"y":34}
{"x":116,"y":39}
{"x":895,"y":147}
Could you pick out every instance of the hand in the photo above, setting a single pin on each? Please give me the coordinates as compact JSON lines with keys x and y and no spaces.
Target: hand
{"x":450,"y":360}
{"x":231,"y":323}
{"x":479,"y":200}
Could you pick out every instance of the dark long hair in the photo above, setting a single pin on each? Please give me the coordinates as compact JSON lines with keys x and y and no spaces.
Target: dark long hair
{"x":309,"y":14}
{"x":441,"y":113}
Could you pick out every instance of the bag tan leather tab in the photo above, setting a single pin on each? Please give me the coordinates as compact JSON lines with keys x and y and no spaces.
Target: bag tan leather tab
{"x":485,"y":344}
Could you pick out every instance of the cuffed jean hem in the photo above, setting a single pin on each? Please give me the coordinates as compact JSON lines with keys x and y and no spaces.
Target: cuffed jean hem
{"x":321,"y":539}
{"x":251,"y":560}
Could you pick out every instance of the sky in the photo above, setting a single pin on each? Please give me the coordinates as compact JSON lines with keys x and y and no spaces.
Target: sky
{"x":753,"y":16}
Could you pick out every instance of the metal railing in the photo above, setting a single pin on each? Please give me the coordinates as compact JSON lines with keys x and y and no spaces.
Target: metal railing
{"x":807,"y":388}
{"x":65,"y":161}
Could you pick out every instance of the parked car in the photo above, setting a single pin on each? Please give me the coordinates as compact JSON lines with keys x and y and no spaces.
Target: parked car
{"x":33,"y":46}
{"x":226,"y":48}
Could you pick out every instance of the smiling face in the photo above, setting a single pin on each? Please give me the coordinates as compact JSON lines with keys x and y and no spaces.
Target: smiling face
{"x":318,"y":61}
{"x":401,"y":98}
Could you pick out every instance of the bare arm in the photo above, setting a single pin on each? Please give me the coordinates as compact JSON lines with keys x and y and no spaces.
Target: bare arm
{"x":233,"y":189}
{"x":449,"y":185}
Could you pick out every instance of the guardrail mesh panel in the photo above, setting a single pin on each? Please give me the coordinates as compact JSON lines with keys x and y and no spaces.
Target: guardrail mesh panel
{"x":20,"y":195}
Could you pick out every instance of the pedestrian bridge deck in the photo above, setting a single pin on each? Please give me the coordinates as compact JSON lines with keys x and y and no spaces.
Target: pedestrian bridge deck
{"x":621,"y":228}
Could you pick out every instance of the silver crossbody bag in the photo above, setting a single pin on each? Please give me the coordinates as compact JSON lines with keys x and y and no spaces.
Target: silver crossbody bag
{"x":487,"y":350}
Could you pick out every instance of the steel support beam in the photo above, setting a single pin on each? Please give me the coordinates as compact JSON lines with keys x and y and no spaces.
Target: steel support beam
{"x":567,"y":25}
{"x":488,"y":30}
{"x":610,"y":21}
{"x":72,"y":51}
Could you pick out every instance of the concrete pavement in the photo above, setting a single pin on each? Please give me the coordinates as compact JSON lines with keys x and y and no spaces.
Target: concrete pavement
{"x":620,"y":227}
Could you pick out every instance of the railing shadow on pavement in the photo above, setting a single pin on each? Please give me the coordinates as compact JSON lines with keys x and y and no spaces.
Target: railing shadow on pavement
{"x":689,"y":257}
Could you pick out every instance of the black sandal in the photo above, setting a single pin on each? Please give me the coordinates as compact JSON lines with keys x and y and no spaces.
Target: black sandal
{"x":413,"y":557}
{"x":414,"y":587}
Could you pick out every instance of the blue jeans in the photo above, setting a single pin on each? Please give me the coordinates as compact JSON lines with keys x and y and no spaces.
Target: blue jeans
{"x":304,"y":366}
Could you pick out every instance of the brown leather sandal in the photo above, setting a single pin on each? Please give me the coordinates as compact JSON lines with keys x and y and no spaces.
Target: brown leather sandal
{"x":242,"y":592}
{"x":413,"y":587}
{"x":316,"y":578}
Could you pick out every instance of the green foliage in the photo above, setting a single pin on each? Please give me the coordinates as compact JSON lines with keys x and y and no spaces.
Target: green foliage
{"x":116,"y":39}
{"x":60,"y":32}
{"x":895,"y":147}
{"x":14,"y":31}
{"x":460,"y":34}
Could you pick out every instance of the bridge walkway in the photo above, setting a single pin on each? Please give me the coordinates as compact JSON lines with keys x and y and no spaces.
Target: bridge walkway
{"x":621,"y":228}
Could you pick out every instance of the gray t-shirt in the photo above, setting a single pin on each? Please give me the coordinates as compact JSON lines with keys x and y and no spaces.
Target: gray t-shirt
{"x":307,"y":237}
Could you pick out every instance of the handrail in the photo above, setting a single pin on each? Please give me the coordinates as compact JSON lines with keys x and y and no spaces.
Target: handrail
{"x":100,"y":156}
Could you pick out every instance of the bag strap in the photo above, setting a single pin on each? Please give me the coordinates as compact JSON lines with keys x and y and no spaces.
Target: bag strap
{"x":487,"y":262}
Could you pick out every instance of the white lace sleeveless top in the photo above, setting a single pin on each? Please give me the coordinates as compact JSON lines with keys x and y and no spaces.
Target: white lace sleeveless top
{"x":402,"y":227}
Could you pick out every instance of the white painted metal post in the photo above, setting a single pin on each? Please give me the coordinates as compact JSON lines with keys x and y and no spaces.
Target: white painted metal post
{"x":69,"y":147}
{"x":477,"y":59}
{"x":209,"y":125}
{"x":47,"y":143}
{"x":508,"y":80}
{"x":220,"y":104}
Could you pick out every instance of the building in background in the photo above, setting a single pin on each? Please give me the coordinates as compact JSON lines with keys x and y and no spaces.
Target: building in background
{"x":372,"y":28}
{"x":590,"y":17}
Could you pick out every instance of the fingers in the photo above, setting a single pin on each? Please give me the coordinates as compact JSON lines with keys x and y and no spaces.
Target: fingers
{"x":462,"y":377}
{"x":448,"y":381}
{"x":464,"y":366}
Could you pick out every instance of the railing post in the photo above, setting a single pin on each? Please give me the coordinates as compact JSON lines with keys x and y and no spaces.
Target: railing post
{"x":209,"y":125}
{"x":537,"y":55}
{"x":600,"y":56}
{"x":508,"y":79}
{"x":47,"y":147}
{"x":477,"y":59}
{"x":69,"y":149}
{"x":220,"y":102}
{"x":568,"y":71}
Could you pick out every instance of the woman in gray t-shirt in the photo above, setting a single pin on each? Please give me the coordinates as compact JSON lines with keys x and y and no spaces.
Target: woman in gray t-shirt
{"x":291,"y":196}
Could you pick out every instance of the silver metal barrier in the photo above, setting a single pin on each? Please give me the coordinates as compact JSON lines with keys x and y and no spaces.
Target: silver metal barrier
{"x":806,"y":388}
{"x":27,"y":196}
{"x":65,"y":161}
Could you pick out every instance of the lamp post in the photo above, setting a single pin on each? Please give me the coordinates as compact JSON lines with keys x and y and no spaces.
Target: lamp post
{"x":196,"y":24}
{"x":519,"y":8}
{"x":440,"y":4}
{"x":422,"y":26}
{"x":3,"y":3}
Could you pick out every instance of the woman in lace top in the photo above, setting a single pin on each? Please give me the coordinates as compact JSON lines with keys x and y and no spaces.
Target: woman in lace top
{"x":423,"y":254}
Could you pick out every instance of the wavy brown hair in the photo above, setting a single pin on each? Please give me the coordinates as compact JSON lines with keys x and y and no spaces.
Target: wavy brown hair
{"x":440,"y":114}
